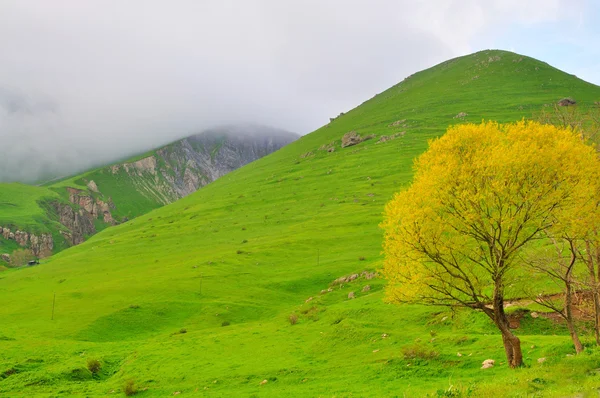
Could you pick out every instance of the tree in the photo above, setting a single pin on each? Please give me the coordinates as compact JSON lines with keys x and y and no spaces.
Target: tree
{"x":481,"y":196}
{"x":560,"y":268}
{"x":20,"y":257}
{"x":586,"y":121}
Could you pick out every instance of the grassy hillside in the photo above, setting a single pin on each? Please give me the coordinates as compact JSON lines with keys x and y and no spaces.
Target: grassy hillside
{"x":71,"y":209}
{"x":197,"y":297}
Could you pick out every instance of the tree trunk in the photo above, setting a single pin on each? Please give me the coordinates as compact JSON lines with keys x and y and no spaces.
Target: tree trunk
{"x":512,"y":344}
{"x":569,"y":318}
{"x":568,"y":280}
{"x":591,"y":262}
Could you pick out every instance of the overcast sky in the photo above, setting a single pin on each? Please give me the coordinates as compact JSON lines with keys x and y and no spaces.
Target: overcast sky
{"x":86,"y":82}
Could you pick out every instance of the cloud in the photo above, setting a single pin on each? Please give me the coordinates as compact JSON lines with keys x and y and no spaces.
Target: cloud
{"x":83,"y":83}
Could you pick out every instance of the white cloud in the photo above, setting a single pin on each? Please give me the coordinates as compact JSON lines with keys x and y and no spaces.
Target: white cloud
{"x":127,"y":76}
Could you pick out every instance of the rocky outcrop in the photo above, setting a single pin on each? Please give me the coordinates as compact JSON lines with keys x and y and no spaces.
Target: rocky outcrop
{"x":41,"y":244}
{"x":79,"y":222}
{"x":95,"y":207}
{"x":183,"y":167}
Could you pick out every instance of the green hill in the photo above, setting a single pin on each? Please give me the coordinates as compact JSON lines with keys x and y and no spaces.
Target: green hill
{"x":229,"y":291}
{"x":63,"y":213}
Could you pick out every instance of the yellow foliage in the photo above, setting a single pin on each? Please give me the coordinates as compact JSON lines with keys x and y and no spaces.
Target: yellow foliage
{"x":481,"y":194}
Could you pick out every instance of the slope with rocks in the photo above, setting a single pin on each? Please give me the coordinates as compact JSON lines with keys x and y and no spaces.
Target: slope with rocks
{"x":262,"y":283}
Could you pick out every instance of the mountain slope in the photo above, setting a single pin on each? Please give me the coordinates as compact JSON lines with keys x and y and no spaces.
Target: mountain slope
{"x":234,"y":261}
{"x":66,"y":212}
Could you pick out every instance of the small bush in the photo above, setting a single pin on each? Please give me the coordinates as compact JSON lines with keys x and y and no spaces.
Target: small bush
{"x":361,"y":258}
{"x":225,"y":323}
{"x":94,"y":365}
{"x":20,"y":257}
{"x":245,"y":241}
{"x":293,"y":318}
{"x":129,"y":388}
{"x":134,"y":306}
{"x":182,"y":331}
{"x":418,"y":352}
{"x":240,"y":252}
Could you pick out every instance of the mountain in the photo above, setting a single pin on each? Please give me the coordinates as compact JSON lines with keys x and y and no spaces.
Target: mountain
{"x":264,"y":283}
{"x":64,"y":213}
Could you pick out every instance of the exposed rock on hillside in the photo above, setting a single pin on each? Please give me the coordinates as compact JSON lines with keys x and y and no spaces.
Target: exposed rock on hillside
{"x":567,"y":102}
{"x":183,"y":167}
{"x":41,"y":245}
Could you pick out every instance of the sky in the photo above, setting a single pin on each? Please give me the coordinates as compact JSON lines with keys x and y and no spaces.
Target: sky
{"x":86,"y":83}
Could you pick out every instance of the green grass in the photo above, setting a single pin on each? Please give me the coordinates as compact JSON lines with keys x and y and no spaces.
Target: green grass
{"x":19,"y":206}
{"x":251,"y":248}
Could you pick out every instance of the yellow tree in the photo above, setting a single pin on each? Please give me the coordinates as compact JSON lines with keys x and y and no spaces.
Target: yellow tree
{"x":481,"y":195}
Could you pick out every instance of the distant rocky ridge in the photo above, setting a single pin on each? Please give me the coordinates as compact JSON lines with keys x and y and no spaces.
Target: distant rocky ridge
{"x":162,"y":177}
{"x":183,"y":167}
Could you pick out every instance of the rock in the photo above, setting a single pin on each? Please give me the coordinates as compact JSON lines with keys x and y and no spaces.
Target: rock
{"x":92,"y":186}
{"x":351,"y":138}
{"x":308,"y":300}
{"x":541,"y":360}
{"x":351,"y":295}
{"x":22,"y":238}
{"x":567,"y":102}
{"x":6,"y":232}
{"x":5,"y":257}
{"x":366,"y":288}
{"x":265,"y":381}
{"x":369,"y":275}
{"x":377,"y":350}
{"x":306,"y":155}
{"x":385,"y":335}
{"x":353,"y":277}
{"x":458,"y":354}
{"x":488,"y":363}
{"x":461,"y":115}
{"x":535,"y":315}
{"x":331,"y":149}
{"x":397,"y":123}
{"x":11,"y":236}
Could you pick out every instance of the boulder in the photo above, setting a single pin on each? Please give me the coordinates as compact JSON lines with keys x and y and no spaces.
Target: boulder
{"x":397,"y":123}
{"x":5,"y":257}
{"x":366,"y":288}
{"x":488,"y":363}
{"x":541,"y":360}
{"x":461,"y":115}
{"x":92,"y":186}
{"x":351,"y":138}
{"x":567,"y":102}
{"x":351,"y":295}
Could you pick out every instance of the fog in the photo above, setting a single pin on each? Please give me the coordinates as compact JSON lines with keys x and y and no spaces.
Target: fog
{"x":85,"y":83}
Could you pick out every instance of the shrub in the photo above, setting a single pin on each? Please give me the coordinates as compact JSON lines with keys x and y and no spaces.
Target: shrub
{"x":240,"y":252}
{"x":293,"y":318}
{"x":416,"y":351}
{"x":94,"y":365}
{"x":182,"y":331}
{"x":361,"y":258}
{"x":225,"y":323}
{"x":21,"y":257}
{"x":129,"y":388}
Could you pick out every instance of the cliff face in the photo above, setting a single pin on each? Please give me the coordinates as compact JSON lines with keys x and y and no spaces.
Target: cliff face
{"x":183,"y":167}
{"x":41,"y":245}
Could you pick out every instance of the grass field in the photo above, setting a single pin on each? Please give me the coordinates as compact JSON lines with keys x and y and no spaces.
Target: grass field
{"x":196,"y":297}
